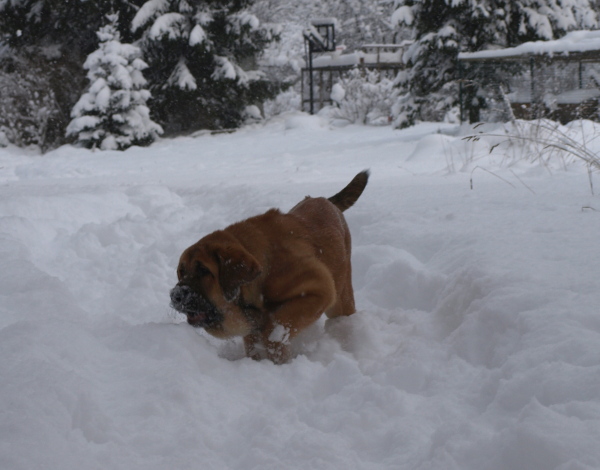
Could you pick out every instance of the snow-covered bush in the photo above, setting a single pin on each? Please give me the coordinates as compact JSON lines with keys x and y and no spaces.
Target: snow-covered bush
{"x":289,"y":100}
{"x":252,"y":114}
{"x":112,"y":114}
{"x":364,"y":97}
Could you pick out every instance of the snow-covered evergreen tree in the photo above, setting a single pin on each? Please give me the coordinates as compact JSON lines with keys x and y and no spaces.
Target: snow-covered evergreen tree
{"x":442,"y":28}
{"x":112,"y":114}
{"x":202,"y":58}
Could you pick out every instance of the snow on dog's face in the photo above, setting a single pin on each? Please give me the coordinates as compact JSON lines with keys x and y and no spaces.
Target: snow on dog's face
{"x":211,"y":273}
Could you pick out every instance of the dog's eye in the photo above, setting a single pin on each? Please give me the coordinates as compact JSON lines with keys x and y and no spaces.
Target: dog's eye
{"x":201,"y":270}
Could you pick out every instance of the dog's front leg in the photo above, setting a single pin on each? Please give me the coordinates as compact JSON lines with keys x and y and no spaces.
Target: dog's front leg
{"x":291,"y":318}
{"x":293,"y":300}
{"x":272,"y":343}
{"x":253,"y":345}
{"x":277,"y":345}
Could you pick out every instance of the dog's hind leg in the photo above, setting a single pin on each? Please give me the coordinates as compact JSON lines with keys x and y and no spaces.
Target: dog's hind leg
{"x":344,"y":305}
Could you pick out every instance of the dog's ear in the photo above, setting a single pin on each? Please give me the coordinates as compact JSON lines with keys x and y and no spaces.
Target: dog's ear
{"x":236,"y":268}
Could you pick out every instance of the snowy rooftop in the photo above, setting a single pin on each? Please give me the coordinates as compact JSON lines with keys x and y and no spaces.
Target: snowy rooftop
{"x":573,"y":43}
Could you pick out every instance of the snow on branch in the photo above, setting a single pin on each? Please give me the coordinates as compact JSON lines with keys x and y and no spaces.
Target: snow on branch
{"x":403,"y":16}
{"x":203,"y":17}
{"x":539,"y":23}
{"x":148,"y":11}
{"x":173,"y":25}
{"x":224,"y":69}
{"x":182,"y":77}
{"x":197,"y":36}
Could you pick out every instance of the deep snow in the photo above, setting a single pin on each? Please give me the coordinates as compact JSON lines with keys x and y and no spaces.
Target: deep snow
{"x":476,"y":344}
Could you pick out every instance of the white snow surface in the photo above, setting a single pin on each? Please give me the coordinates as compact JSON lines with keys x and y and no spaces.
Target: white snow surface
{"x":476,"y":344}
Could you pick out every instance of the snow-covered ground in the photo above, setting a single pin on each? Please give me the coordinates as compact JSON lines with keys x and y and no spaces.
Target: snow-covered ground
{"x":476,"y":344}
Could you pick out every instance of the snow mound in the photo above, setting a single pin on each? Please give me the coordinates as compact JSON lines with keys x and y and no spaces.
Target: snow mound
{"x":305,"y":122}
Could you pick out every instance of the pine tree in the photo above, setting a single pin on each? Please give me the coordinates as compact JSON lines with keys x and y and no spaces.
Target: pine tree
{"x":113,"y":114}
{"x":202,"y":56}
{"x":442,"y":28}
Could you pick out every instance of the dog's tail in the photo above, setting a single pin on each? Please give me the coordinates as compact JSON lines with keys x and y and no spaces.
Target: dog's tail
{"x":348,"y":196}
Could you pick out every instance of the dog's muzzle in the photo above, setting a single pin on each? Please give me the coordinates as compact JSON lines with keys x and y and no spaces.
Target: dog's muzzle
{"x":199,"y":311}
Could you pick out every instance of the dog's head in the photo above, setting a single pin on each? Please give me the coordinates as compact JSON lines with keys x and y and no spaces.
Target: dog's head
{"x":211,"y":274}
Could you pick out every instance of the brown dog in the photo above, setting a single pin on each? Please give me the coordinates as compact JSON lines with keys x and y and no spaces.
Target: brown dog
{"x":270,"y":276}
